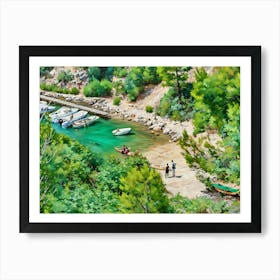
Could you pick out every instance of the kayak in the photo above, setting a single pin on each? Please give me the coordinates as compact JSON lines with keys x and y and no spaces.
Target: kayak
{"x":120,"y":151}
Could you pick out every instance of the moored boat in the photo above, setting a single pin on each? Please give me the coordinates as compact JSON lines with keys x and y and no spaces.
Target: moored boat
{"x":62,"y":113}
{"x":45,"y":108}
{"x":121,"y":131}
{"x":67,"y":121}
{"x":226,"y":190}
{"x":85,"y":122}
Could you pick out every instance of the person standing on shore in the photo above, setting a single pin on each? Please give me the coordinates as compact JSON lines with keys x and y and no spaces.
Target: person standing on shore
{"x":173,"y":168}
{"x":167,"y":170}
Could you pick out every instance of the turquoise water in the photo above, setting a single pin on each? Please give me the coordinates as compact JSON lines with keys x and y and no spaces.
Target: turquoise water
{"x":99,"y":137}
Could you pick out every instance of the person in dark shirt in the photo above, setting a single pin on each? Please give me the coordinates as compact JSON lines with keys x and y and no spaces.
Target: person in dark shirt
{"x":167,"y":170}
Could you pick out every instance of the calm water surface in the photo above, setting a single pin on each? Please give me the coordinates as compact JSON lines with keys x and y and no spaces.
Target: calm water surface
{"x":99,"y":137}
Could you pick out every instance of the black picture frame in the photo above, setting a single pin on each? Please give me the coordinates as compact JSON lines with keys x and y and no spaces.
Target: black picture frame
{"x":254,"y":52}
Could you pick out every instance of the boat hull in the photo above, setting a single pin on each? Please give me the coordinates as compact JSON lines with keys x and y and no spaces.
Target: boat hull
{"x":226,"y":190}
{"x":85,"y":122}
{"x":77,"y":116}
{"x":121,"y":131}
{"x":62,"y":114}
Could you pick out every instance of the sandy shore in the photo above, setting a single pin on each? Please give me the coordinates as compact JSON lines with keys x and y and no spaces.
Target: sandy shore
{"x":185,"y":181}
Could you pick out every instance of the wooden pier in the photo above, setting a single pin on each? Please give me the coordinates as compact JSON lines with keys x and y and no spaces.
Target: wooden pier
{"x":74,"y":105}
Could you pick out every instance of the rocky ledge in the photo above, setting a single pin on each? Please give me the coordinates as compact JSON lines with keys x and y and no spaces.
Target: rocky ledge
{"x":154,"y":123}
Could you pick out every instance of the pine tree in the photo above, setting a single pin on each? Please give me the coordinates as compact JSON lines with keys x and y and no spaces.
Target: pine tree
{"x":143,"y":192}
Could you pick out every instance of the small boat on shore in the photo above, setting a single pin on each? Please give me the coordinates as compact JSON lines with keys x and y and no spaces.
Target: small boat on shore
{"x":121,"y":131}
{"x":85,"y":122}
{"x":226,"y":190}
{"x":67,"y":121}
{"x":61,"y":113}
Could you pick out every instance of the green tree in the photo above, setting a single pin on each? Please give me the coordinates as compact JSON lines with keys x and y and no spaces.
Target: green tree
{"x":213,"y":95}
{"x":150,"y":75}
{"x":143,"y":192}
{"x":94,"y":73}
{"x":98,"y":88}
{"x":106,"y":87}
{"x":64,"y":165}
{"x":120,"y":72}
{"x":176,"y":77}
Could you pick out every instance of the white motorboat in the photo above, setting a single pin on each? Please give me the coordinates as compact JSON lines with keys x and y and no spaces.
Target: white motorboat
{"x":67,"y":121}
{"x":62,"y":113}
{"x":45,"y":108}
{"x":85,"y":122}
{"x":121,"y":131}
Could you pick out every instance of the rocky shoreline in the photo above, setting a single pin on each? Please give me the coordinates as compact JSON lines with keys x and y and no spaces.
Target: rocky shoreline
{"x":156,"y":124}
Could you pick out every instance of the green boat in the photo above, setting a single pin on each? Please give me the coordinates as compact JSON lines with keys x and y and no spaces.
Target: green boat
{"x":226,"y":190}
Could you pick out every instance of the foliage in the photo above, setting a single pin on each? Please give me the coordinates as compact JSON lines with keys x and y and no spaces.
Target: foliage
{"x":108,"y":73}
{"x":134,"y":83}
{"x":100,"y":73}
{"x":151,"y":76}
{"x":219,"y":159}
{"x":149,"y":109}
{"x":182,"y":205}
{"x":177,"y":78}
{"x":114,"y":168}
{"x":55,"y":88}
{"x":74,"y":90}
{"x":214,"y":95}
{"x":98,"y":88}
{"x":177,"y":103}
{"x":65,"y":76}
{"x":118,"y":87}
{"x":117,"y":101}
{"x":64,"y":166}
{"x":137,"y":78}
{"x":217,"y":107}
{"x":94,"y":73}
{"x":120,"y":72}
{"x":143,"y":192}
{"x":45,"y":70}
{"x":172,"y":108}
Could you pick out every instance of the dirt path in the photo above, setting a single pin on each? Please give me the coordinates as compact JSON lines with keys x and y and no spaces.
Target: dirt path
{"x":185,"y":181}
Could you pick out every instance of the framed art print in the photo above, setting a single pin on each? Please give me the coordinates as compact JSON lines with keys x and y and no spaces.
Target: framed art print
{"x":140,"y":138}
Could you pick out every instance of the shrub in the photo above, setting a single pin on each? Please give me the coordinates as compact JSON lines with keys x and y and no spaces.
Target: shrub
{"x":175,"y":115}
{"x":120,"y":72}
{"x":149,"y":109}
{"x":97,"y":88}
{"x":200,"y":205}
{"x":94,"y":73}
{"x":117,"y":101}
{"x":65,"y":76}
{"x":74,"y":90}
{"x":106,"y":87}
{"x":43,"y":86}
{"x":55,"y":88}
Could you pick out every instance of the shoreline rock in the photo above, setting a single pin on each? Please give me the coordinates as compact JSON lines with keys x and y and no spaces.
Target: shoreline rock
{"x":158,"y":124}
